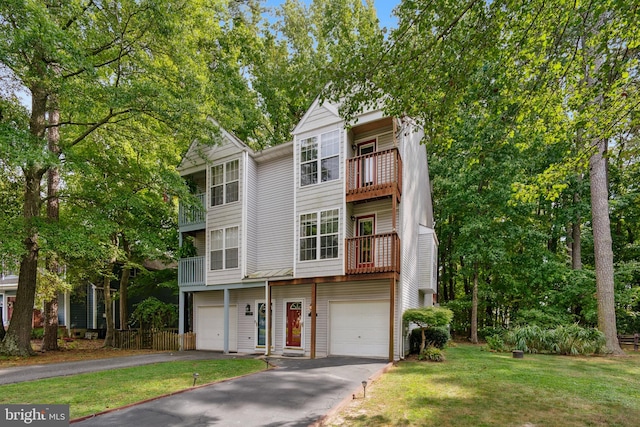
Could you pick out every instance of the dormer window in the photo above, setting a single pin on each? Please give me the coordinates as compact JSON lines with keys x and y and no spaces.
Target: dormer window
{"x":224,"y":183}
{"x":320,"y":158}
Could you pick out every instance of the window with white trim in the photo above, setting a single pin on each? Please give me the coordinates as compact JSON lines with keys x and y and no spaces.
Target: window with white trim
{"x":320,"y":158}
{"x":319,"y":231}
{"x":224,"y":183}
{"x":224,"y":248}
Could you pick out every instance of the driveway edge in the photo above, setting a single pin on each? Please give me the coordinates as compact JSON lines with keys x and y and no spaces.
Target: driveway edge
{"x":344,"y":402}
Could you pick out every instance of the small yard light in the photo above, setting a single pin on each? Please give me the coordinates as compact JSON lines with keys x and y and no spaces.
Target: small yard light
{"x":364,"y":389}
{"x":195,"y":378}
{"x":266,"y":360}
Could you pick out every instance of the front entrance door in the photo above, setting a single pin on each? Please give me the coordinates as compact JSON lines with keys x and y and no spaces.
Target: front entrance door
{"x":365,"y":231}
{"x":261,"y":324}
{"x":293,"y":326}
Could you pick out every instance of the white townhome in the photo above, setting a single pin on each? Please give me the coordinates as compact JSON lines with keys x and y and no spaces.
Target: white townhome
{"x":333,"y":229}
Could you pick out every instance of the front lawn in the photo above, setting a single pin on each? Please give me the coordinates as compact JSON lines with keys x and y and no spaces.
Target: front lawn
{"x":96,"y":392}
{"x":480,"y":388}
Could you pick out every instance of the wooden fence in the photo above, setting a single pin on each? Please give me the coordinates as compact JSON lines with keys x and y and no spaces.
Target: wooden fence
{"x":168,"y":339}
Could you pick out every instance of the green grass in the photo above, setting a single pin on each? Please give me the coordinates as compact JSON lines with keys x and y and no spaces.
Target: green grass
{"x":480,"y":388}
{"x":96,"y":392}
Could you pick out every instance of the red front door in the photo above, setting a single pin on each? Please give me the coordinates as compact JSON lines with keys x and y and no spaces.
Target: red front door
{"x":294,"y":324}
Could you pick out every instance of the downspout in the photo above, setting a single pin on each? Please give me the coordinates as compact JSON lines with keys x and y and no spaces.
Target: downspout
{"x":226,"y":322}
{"x":267,"y":319}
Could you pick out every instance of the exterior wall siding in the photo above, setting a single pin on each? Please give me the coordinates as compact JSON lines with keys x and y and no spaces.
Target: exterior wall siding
{"x":413,"y":213}
{"x":274,"y":232}
{"x":251,"y":202}
{"x":316,"y":198}
{"x":224,"y":216}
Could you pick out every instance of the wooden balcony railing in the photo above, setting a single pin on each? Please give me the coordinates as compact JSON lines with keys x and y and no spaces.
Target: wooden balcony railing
{"x":192,"y":215}
{"x":378,"y":253}
{"x":191,"y":271}
{"x":374,"y":175}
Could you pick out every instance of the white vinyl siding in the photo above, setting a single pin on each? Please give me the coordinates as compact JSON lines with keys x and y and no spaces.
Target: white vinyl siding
{"x":275,"y":227}
{"x":251,"y":204}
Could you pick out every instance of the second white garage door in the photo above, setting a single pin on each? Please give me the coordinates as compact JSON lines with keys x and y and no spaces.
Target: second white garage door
{"x":359,"y":328}
{"x":210,"y":328}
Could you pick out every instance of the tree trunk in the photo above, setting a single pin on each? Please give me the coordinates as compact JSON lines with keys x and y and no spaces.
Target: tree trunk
{"x":602,"y":247}
{"x":50,"y":341}
{"x":109,"y":339}
{"x":576,"y":251}
{"x":2,"y":331}
{"x":474,"y":306}
{"x":124,"y":284}
{"x":17,"y":340}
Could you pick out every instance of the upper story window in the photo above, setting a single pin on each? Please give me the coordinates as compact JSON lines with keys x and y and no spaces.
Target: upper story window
{"x":326,"y":222}
{"x":224,"y":183}
{"x":224,"y":248}
{"x":320,"y":158}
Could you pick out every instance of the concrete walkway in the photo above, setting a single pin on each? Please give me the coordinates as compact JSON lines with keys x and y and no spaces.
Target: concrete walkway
{"x":297,"y":392}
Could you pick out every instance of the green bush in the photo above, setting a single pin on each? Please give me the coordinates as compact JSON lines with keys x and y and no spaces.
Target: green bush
{"x":496,"y":343}
{"x":435,"y":336}
{"x":432,"y":354}
{"x":37,"y":333}
{"x":568,"y":340}
{"x":153,"y":313}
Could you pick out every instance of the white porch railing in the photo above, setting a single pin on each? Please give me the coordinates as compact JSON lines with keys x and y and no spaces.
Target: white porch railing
{"x":193,"y":214}
{"x":191,"y":271}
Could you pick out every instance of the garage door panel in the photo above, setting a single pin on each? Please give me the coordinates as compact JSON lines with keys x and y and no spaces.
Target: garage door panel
{"x":359,"y":328}
{"x":210,"y":328}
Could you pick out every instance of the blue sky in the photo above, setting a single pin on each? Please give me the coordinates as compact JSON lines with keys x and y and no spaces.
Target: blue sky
{"x":383,"y":8}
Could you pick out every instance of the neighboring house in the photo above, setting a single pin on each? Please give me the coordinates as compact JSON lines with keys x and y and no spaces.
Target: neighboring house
{"x":8,"y":288}
{"x":335,"y":229}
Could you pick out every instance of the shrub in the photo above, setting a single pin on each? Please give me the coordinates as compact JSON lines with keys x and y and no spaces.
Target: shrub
{"x":437,"y":336}
{"x":37,"y":333}
{"x":496,"y":343}
{"x":432,"y":354}
{"x":154,"y":313}
{"x":569,"y":340}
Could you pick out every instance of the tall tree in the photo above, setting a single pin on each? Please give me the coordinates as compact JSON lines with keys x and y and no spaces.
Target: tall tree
{"x":102,"y":63}
{"x":578,"y":60}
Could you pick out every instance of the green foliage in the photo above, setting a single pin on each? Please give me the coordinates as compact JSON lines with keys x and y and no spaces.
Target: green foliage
{"x":432,"y":354}
{"x":567,"y":340}
{"x":547,"y":319}
{"x":496,"y":343}
{"x":437,"y":336}
{"x":153,"y":313}
{"x":428,"y":316}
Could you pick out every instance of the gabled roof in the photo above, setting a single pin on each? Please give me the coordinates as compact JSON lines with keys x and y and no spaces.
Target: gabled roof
{"x":195,"y":155}
{"x":317,"y":103}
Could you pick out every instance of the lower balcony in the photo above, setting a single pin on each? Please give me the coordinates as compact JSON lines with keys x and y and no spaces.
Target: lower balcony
{"x":191,"y":271}
{"x":378,"y":253}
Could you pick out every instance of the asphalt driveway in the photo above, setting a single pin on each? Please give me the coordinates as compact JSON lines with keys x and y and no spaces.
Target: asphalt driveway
{"x":297,"y":392}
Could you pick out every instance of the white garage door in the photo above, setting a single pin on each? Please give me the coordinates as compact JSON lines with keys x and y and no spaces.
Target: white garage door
{"x":359,"y":328}
{"x":210,"y":328}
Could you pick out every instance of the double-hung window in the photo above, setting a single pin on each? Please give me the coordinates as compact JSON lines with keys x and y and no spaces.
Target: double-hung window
{"x":320,"y":158}
{"x":224,"y":183}
{"x":319,"y":235}
{"x":224,"y":248}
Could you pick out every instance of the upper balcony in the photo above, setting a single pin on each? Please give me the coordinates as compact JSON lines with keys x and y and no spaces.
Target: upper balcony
{"x":374,"y":175}
{"x":193,"y":217}
{"x":377,"y":253}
